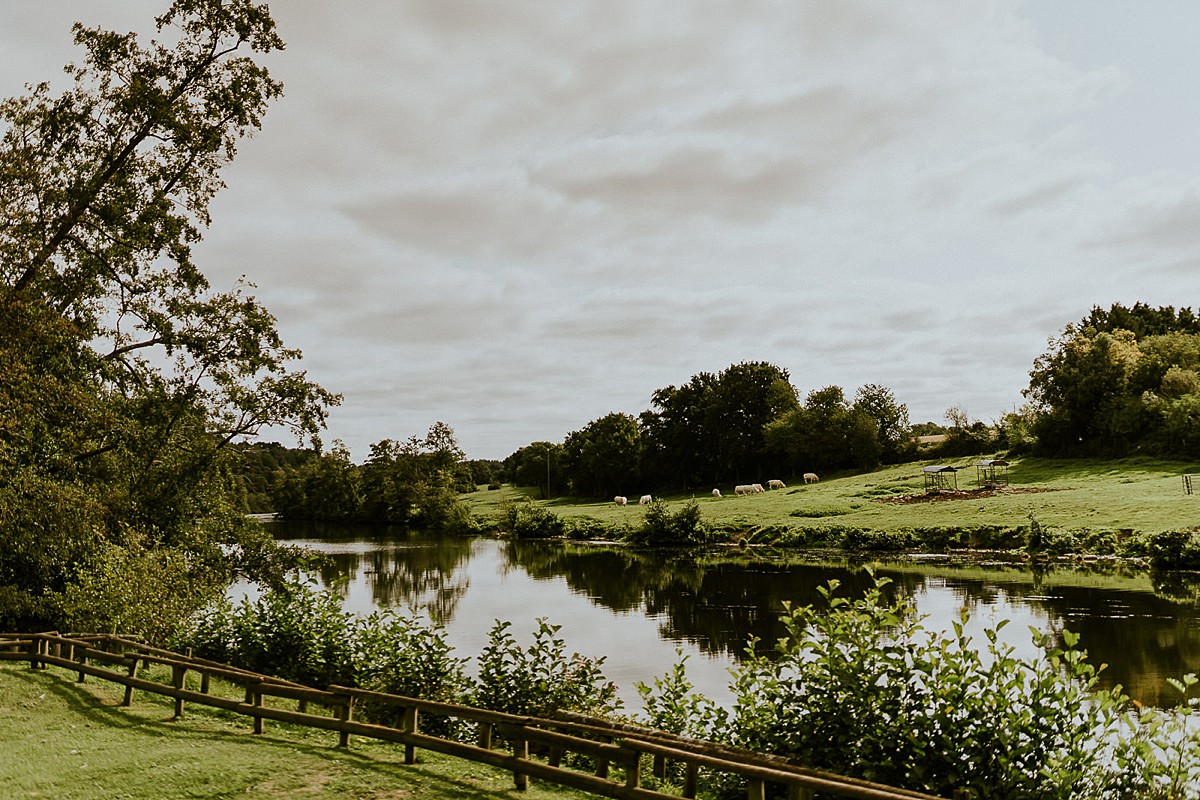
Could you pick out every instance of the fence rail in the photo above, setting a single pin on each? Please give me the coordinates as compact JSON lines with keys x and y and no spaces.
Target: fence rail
{"x":607,"y":744}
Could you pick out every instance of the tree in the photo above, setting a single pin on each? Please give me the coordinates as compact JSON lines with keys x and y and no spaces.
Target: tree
{"x":680,"y":442}
{"x":126,"y":378}
{"x":537,"y":464}
{"x":896,"y":442}
{"x":746,"y":397}
{"x":826,"y":433}
{"x":603,"y":457}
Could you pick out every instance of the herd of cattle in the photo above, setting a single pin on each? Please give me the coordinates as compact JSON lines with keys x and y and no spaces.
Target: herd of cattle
{"x":743,"y":488}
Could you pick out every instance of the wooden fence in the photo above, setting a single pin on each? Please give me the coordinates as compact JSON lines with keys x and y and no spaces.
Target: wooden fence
{"x":614,"y":751}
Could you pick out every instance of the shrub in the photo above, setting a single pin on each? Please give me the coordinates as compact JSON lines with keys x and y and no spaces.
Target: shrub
{"x":1178,"y":549}
{"x":408,"y":654}
{"x":527,"y":520}
{"x":540,"y":678}
{"x":664,"y":529}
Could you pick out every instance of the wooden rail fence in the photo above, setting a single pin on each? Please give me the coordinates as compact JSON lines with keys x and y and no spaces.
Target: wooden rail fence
{"x":607,"y":744}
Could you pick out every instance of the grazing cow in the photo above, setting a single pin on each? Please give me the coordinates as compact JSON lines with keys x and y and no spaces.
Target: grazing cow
{"x":811,"y":477}
{"x":646,"y":500}
{"x":756,"y":488}
{"x":620,"y":500}
{"x":716,"y":492}
{"x":743,"y":488}
{"x":775,"y":484}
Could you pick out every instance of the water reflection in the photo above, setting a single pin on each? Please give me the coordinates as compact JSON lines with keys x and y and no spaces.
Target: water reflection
{"x":639,"y":607}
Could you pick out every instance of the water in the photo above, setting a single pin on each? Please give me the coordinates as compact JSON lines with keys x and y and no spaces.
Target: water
{"x":639,"y":609}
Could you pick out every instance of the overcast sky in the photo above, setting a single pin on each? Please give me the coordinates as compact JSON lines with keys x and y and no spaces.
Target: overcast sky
{"x":516,"y":217}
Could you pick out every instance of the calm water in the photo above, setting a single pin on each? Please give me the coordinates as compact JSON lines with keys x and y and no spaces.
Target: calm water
{"x":638,"y":608}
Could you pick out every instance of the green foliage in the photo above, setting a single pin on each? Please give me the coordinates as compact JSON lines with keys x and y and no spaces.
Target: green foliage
{"x":525,"y":519}
{"x":124,"y":378}
{"x":541,"y":678}
{"x":862,"y":688}
{"x":293,"y":632}
{"x":415,"y":482}
{"x":408,"y":655}
{"x":604,"y":456}
{"x":665,"y":529}
{"x":1177,"y":549}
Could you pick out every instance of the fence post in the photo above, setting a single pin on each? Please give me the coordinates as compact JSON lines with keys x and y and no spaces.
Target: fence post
{"x":521,"y":753}
{"x":345,"y":713}
{"x":797,"y":792}
{"x":132,"y":673}
{"x":689,"y":780}
{"x":178,"y":674}
{"x":83,"y":659}
{"x":35,"y":650}
{"x":756,"y":790}
{"x":412,"y":723}
{"x":633,"y":770}
{"x":485,"y":735}
{"x":254,"y":698}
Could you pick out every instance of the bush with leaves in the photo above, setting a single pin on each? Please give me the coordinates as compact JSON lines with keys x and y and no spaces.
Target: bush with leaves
{"x":407,"y":654}
{"x":525,"y":519}
{"x":864,"y":689}
{"x":541,"y":678}
{"x":664,"y":529}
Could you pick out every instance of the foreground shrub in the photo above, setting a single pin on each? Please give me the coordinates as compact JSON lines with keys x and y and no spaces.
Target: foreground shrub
{"x":541,"y":678}
{"x":863,"y":689}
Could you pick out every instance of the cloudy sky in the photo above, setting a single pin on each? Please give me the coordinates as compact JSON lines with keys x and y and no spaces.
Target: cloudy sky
{"x":516,"y":217}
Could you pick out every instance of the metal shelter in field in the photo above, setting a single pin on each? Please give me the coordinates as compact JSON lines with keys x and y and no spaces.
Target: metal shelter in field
{"x":940,"y":477}
{"x":991,"y":472}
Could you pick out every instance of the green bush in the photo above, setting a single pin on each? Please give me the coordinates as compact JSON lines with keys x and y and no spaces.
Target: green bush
{"x":863,"y":689}
{"x":1179,"y":549}
{"x":525,"y":519}
{"x":664,"y":529}
{"x":541,"y":678}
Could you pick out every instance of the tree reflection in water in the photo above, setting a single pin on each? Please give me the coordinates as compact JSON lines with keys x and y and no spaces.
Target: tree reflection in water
{"x":716,"y":601}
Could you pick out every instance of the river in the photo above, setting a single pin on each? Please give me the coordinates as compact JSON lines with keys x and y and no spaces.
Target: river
{"x":639,"y":609}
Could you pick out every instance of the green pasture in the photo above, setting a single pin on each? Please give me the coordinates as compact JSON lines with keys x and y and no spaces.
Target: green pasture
{"x":63,"y":739}
{"x":1132,"y":495}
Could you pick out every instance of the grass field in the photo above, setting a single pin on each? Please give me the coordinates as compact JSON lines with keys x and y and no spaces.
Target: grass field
{"x":1133,"y":495}
{"x":61,"y":739}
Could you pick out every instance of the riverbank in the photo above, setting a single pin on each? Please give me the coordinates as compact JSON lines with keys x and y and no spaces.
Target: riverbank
{"x":1099,"y":507}
{"x":68,"y":740}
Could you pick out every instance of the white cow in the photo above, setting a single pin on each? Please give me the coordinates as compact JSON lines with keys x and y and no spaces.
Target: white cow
{"x":620,"y":500}
{"x":757,"y":488}
{"x":775,"y":484}
{"x":743,"y":488}
{"x":645,"y":500}
{"x":716,"y":492}
{"x":811,"y":477}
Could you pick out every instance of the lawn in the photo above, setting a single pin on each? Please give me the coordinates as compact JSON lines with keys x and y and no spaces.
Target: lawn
{"x":63,"y":739}
{"x":1123,"y":495}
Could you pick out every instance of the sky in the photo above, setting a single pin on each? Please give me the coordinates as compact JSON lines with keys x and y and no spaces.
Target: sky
{"x":517,"y":217}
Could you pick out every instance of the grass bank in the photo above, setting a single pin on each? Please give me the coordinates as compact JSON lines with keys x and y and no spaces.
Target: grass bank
{"x":1090,"y":505}
{"x":62,"y":739}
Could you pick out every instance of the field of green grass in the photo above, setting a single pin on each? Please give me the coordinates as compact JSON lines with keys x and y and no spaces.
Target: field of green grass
{"x":62,"y":739}
{"x":1133,"y":495}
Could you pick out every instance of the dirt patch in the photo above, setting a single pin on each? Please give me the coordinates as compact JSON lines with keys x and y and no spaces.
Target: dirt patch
{"x":942,"y":495}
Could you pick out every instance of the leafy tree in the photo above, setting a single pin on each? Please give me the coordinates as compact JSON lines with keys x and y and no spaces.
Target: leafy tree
{"x":603,"y":457}
{"x":124,"y":378}
{"x":746,"y":397}
{"x":679,"y":437}
{"x":534,"y":465}
{"x":896,"y":442}
{"x":826,"y":433}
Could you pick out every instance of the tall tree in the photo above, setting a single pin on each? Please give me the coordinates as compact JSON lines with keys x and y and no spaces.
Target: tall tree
{"x":130,"y":377}
{"x":604,"y":457}
{"x":746,"y":397}
{"x":680,"y":443}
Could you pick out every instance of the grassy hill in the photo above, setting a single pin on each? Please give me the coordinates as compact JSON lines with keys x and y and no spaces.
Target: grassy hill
{"x":1089,"y":498}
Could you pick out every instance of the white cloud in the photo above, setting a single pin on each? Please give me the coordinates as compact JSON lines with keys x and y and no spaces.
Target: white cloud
{"x":518,"y":217}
